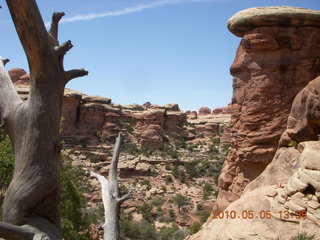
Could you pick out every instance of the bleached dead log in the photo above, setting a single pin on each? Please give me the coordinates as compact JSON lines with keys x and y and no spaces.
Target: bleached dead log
{"x":111,"y":196}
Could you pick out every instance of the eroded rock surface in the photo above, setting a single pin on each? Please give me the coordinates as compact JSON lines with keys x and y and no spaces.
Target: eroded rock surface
{"x":277,"y":57}
{"x":304,"y":120}
{"x":278,"y":210}
{"x":87,"y":117}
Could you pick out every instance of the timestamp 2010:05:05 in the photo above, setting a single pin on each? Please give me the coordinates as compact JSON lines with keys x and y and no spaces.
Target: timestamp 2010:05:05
{"x":263,"y":214}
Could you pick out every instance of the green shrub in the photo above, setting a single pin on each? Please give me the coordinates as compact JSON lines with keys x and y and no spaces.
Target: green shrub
{"x":206,"y":190}
{"x":157,"y":201}
{"x":6,"y":162}
{"x":203,"y":216}
{"x":166,"y":219}
{"x":292,"y":144}
{"x":168,"y":150}
{"x":130,"y":148}
{"x":167,"y":232}
{"x":180,"y":200}
{"x":137,"y":229}
{"x":194,"y":228}
{"x":303,"y":236}
{"x":146,"y":183}
{"x":127,"y":124}
{"x":169,"y":179}
{"x":73,"y":217}
{"x":171,"y":212}
{"x":179,"y":174}
{"x":191,"y":169}
{"x":178,"y":140}
{"x":145,"y":210}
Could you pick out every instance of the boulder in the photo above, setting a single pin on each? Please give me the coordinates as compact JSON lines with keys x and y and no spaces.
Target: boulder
{"x":204,"y":111}
{"x":304,"y":120}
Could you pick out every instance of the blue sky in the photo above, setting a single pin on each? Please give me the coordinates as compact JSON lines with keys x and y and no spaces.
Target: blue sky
{"x":162,"y":51}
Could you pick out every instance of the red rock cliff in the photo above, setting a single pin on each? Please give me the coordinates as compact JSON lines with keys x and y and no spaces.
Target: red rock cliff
{"x":278,"y":55}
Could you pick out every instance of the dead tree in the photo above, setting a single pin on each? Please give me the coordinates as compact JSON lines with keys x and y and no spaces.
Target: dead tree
{"x":111,"y":196}
{"x":31,"y":204}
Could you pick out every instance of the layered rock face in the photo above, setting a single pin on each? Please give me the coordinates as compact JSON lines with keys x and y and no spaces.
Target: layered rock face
{"x":86,"y":117}
{"x":279,"y":54}
{"x":285,"y":199}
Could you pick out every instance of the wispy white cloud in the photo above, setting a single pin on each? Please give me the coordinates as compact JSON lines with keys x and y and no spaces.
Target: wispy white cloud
{"x":128,"y":10}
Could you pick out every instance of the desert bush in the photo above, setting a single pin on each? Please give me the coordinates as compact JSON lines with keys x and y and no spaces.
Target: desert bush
{"x":303,"y":236}
{"x":127,"y":124}
{"x":6,"y":162}
{"x":166,"y":219}
{"x":169,"y":179}
{"x":178,"y":140}
{"x":203,"y":216}
{"x":146,"y":183}
{"x":157,"y":201}
{"x":136,"y":229}
{"x":145,"y":211}
{"x":194,"y":228}
{"x":206,"y":190}
{"x":73,"y":217}
{"x":180,"y":200}
{"x":167,"y":232}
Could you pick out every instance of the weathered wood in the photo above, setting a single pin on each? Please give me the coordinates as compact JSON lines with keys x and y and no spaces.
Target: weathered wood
{"x":111,"y":196}
{"x":32,"y":197}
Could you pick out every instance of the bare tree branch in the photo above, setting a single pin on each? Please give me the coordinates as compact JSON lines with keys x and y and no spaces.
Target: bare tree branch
{"x":124,"y":197}
{"x":113,"y":178}
{"x":5,"y":60}
{"x":75,"y":73}
{"x":62,"y":49}
{"x":111,"y":196}
{"x":13,"y":232}
{"x":32,"y":34}
{"x":9,"y":97}
{"x":56,"y":17}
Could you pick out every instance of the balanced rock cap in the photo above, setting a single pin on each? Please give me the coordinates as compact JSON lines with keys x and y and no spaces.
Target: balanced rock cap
{"x":246,"y":20}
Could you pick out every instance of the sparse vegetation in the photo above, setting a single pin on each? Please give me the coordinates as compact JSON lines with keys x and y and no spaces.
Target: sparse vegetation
{"x":146,"y":183}
{"x":136,"y":229}
{"x":292,"y":143}
{"x":157,"y":201}
{"x":145,"y":211}
{"x":180,"y":201}
{"x":194,"y":228}
{"x":127,"y":124}
{"x":73,"y":218}
{"x":6,"y":162}
{"x":207,"y":190}
{"x":178,"y":140}
{"x":303,"y":236}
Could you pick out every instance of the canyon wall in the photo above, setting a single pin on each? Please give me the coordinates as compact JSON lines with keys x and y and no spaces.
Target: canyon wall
{"x":279,"y":54}
{"x":86,"y":118}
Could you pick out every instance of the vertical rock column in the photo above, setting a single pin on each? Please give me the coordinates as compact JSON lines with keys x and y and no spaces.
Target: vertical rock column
{"x":278,"y":55}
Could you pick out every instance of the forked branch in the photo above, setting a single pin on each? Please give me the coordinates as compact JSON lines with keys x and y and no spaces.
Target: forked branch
{"x":111,"y":196}
{"x":56,"y":17}
{"x":62,"y":49}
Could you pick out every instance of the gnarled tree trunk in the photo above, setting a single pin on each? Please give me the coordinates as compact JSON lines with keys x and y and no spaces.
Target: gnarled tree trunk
{"x":32,"y":199}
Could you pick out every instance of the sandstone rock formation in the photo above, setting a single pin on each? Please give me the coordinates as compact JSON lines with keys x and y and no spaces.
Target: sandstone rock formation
{"x":204,"y":111}
{"x":304,"y":120}
{"x":88,"y":117}
{"x":279,"y":55}
{"x":19,"y":76}
{"x":213,"y":126}
{"x":276,"y":210}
